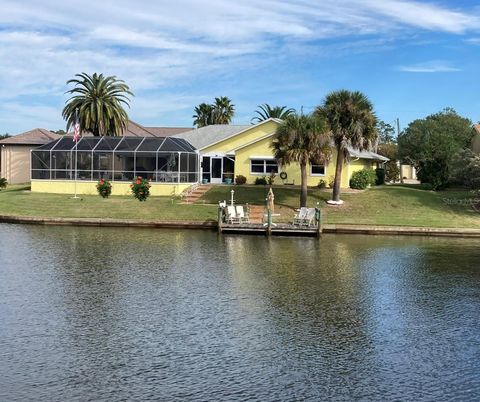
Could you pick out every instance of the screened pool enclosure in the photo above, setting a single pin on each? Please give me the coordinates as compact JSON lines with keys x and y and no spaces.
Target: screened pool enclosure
{"x":159,"y":159}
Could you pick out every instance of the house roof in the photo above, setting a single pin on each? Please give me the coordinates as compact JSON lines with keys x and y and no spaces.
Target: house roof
{"x":355,"y":153}
{"x":208,"y":135}
{"x":37,"y":136}
{"x":167,"y":131}
{"x":137,"y":130}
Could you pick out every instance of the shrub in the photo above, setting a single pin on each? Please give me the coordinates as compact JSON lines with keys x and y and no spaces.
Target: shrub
{"x":140,"y":188}
{"x":261,"y":181}
{"x":392,"y":171}
{"x":322,"y":183}
{"x":380,"y":176}
{"x":361,"y":179}
{"x":240,"y":179}
{"x":3,"y":183}
{"x":104,"y":188}
{"x":331,"y":181}
{"x":465,"y":169}
{"x":271,"y":178}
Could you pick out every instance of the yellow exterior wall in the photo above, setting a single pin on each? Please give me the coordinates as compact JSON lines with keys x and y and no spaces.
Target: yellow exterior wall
{"x":15,"y":163}
{"x":262,"y":148}
{"x":238,"y":140}
{"x":89,"y":187}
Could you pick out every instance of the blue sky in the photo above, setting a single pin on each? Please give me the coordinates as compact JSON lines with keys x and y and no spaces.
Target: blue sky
{"x":411,"y":58}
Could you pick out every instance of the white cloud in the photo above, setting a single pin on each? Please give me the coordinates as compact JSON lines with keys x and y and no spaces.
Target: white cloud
{"x":162,"y":45}
{"x":435,"y":66}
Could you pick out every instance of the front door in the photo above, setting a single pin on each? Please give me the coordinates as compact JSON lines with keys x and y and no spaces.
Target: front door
{"x":217,"y":167}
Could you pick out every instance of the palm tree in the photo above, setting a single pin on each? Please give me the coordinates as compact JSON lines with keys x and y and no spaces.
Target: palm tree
{"x":203,"y":115}
{"x":223,"y":110}
{"x":302,"y":139}
{"x":266,"y":112}
{"x":352,"y":122}
{"x":99,"y":101}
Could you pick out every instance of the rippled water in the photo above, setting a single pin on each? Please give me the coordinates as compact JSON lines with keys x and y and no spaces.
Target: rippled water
{"x":125,"y":314}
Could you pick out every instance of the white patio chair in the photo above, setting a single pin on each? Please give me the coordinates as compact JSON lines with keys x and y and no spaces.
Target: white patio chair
{"x":232,"y":215}
{"x":300,"y":216}
{"x":241,"y":215}
{"x":309,"y":217}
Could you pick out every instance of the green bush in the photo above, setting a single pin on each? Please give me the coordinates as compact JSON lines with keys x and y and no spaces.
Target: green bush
{"x":261,"y":181}
{"x":380,"y":176}
{"x":104,"y":188}
{"x":331,"y":181}
{"x":392,"y":171}
{"x":361,"y":179}
{"x":271,"y":178}
{"x":240,"y":179}
{"x":140,"y":188}
{"x":322,"y":183}
{"x":3,"y":183}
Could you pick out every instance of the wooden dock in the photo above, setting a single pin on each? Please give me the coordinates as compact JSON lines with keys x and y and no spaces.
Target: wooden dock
{"x":269,"y":228}
{"x":280,"y":229}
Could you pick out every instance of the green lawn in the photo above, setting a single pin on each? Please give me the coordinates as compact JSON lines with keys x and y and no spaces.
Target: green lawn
{"x":385,"y":205}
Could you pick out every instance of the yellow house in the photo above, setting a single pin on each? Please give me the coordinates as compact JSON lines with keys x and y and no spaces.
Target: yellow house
{"x":227,"y":151}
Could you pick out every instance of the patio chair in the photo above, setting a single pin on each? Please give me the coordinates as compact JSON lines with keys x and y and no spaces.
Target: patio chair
{"x":300,"y":216}
{"x":309,"y":217}
{"x":232,"y":215}
{"x":242,"y":216}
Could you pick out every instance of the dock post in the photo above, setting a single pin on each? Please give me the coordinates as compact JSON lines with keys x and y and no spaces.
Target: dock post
{"x":269,"y":222}
{"x":220,"y":219}
{"x":318,"y":217}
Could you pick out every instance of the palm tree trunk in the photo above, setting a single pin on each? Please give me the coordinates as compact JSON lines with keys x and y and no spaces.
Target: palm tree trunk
{"x":303,"y":191}
{"x":338,"y":175}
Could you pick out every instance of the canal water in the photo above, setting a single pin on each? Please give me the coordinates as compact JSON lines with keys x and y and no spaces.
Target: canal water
{"x":135,"y":314}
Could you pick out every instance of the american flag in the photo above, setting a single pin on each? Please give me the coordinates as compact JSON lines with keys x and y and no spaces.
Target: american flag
{"x":76,"y":129}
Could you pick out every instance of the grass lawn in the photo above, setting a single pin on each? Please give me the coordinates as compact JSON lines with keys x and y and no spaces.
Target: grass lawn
{"x":17,"y":200}
{"x":385,"y":205}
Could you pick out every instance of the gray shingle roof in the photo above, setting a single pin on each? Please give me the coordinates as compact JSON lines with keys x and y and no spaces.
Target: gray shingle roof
{"x":205,"y":136}
{"x":355,"y":153}
{"x":37,"y":136}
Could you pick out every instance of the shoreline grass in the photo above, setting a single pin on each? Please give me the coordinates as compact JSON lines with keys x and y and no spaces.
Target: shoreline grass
{"x":384,"y":205}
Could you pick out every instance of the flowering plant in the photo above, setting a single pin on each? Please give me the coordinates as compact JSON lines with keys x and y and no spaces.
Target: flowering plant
{"x":104,"y":188}
{"x":140,"y":188}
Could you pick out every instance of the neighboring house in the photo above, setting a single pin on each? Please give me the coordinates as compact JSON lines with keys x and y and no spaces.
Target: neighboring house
{"x":230,"y":150}
{"x":15,"y":153}
{"x":476,"y":139}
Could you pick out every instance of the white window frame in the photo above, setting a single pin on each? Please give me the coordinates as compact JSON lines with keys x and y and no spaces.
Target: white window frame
{"x":264,"y":173}
{"x":318,"y":174}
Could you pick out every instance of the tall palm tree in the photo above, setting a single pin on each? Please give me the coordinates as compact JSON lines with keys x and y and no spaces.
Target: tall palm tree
{"x":223,"y":110}
{"x":352,"y":123}
{"x":302,"y":139}
{"x":203,"y":115}
{"x":99,"y":101}
{"x":266,"y":112}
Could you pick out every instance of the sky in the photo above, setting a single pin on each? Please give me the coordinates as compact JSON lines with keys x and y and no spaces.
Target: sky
{"x":411,"y":58}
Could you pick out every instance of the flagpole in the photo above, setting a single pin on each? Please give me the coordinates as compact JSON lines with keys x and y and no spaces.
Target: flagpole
{"x":76,"y":154}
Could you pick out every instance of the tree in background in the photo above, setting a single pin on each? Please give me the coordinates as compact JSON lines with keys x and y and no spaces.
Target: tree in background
{"x":203,"y":115}
{"x":59,"y":132}
{"x":99,"y":101}
{"x":3,"y":136}
{"x":219,"y":112}
{"x":430,"y":144}
{"x":465,"y":169}
{"x":302,"y":139}
{"x":352,"y":123}
{"x":265,"y":112}
{"x":387,"y":146}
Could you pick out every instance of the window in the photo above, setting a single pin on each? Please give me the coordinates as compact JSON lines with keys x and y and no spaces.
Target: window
{"x":318,"y":170}
{"x":263,"y":166}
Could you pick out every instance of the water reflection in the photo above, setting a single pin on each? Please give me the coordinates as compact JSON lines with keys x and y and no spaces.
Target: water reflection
{"x":131,"y":314}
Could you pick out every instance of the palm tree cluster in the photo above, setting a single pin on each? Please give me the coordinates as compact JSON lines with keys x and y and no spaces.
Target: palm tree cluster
{"x":98,"y":103}
{"x":219,"y":112}
{"x":344,"y":120}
